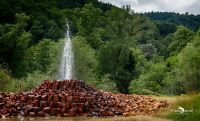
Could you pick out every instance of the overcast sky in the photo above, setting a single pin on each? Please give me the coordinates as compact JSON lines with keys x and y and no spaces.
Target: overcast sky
{"x":180,"y":6}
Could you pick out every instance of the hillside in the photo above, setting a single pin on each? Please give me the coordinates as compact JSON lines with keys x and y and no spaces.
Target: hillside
{"x":114,"y":49}
{"x":189,"y":20}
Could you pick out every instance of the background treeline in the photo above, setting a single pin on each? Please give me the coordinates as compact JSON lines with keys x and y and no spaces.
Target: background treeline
{"x":115,"y":49}
{"x":189,"y":20}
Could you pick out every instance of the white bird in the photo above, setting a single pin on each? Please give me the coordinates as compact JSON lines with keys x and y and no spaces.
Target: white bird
{"x":182,"y":110}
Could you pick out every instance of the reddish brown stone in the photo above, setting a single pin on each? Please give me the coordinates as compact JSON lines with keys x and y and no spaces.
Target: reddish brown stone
{"x":50,"y":98}
{"x":67,"y":83}
{"x":28,"y":108}
{"x":69,"y":99}
{"x":82,"y":99}
{"x":43,"y":104}
{"x":88,"y":99}
{"x":82,"y":94}
{"x":59,"y":105}
{"x":63,"y":99}
{"x":67,"y":106}
{"x":73,"y":105}
{"x":87,"y":107}
{"x":35,"y":103}
{"x":81,"y":108}
{"x":47,"y":110}
{"x":44,"y":97}
{"x":7,"y":115}
{"x":32,"y":114}
{"x":35,"y":109}
{"x":63,"y":111}
{"x":49,"y":85}
{"x":41,"y":113}
{"x":63,"y":84}
{"x":66,"y":115}
{"x":2,"y":104}
{"x":52,"y":104}
{"x":56,"y":98}
{"x":23,"y":98}
{"x":30,"y":98}
{"x":25,"y":113}
{"x":76,"y":99}
{"x":53,"y":111}
{"x":59,"y":111}
{"x":54,"y":84}
{"x":4,"y":111}
{"x":110,"y":113}
{"x":38,"y":97}
{"x":72,"y":83}
{"x":72,"y":112}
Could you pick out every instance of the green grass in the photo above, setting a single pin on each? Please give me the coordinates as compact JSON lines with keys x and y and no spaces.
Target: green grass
{"x":191,"y":102}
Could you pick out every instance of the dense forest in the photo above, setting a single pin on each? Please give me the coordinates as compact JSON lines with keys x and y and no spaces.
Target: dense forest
{"x":115,"y":49}
{"x":189,"y":20}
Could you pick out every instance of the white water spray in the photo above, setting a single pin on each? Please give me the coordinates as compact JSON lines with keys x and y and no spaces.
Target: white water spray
{"x":66,"y":65}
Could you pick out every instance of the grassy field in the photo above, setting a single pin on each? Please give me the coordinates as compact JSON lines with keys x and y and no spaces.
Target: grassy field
{"x":188,"y":102}
{"x":191,"y":104}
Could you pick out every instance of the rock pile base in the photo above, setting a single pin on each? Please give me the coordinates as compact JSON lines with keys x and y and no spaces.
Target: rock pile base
{"x":75,"y":98}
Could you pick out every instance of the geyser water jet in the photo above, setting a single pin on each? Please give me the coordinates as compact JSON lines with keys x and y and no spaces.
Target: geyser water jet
{"x":66,"y":65}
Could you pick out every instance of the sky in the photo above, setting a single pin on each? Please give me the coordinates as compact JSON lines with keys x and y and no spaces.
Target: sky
{"x":178,"y":6}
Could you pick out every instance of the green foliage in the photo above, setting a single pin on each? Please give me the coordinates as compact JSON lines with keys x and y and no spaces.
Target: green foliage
{"x":137,"y":87}
{"x":32,"y":80}
{"x":118,"y":61}
{"x":85,"y":60}
{"x":165,"y":28}
{"x":152,"y":79}
{"x":6,"y":81}
{"x":15,"y":41}
{"x":114,"y":59}
{"x":107,"y":84}
{"x":44,"y":28}
{"x":43,"y":57}
{"x":141,"y":62}
{"x":189,"y":65}
{"x":181,"y":37}
{"x":192,"y":104}
{"x":111,"y":46}
{"x":88,"y":21}
{"x":188,"y":20}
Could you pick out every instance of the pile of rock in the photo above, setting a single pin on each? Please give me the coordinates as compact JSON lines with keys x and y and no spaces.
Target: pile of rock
{"x":109,"y":104}
{"x":74,"y":98}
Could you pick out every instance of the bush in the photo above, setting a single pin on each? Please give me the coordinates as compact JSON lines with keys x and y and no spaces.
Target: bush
{"x":151,"y":80}
{"x":7,"y":84}
{"x":32,"y":80}
{"x":136,"y":87}
{"x":107,"y":84}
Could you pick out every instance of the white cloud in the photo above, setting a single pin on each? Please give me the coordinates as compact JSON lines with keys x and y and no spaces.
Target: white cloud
{"x":181,"y":6}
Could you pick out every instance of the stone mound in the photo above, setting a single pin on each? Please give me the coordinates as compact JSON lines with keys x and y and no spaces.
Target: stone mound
{"x":75,"y":98}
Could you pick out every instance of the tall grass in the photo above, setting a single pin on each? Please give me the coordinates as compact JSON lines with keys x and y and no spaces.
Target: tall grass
{"x":191,"y":103}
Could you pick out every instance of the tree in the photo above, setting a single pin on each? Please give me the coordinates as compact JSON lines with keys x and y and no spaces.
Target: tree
{"x":43,"y":57}
{"x":85,"y":60}
{"x":15,"y":41}
{"x":150,"y":80}
{"x":119,"y":62}
{"x":189,"y":73}
{"x":181,"y":37}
